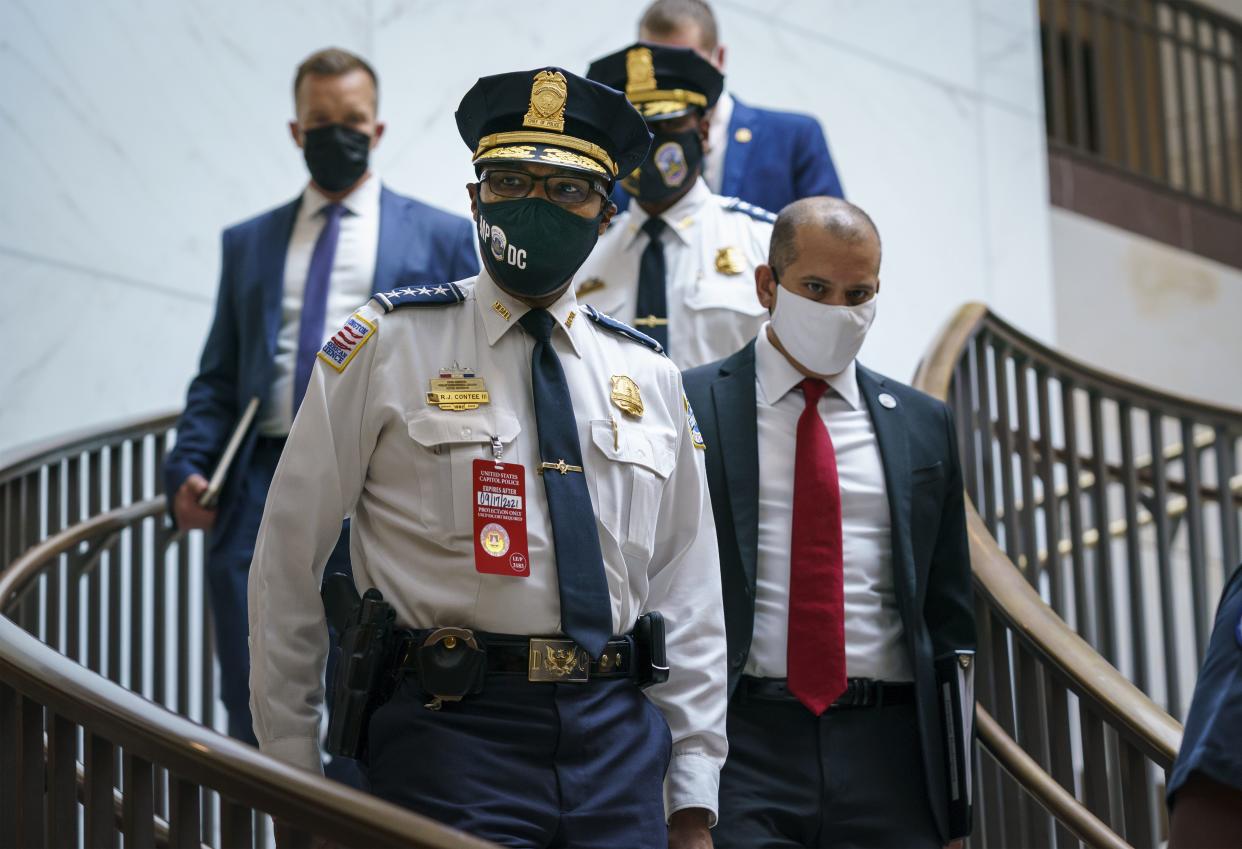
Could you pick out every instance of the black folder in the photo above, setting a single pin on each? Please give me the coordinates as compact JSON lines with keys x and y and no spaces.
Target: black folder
{"x":955,"y":691}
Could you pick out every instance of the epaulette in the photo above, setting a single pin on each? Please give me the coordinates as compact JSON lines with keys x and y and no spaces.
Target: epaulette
{"x":756,"y":212}
{"x":421,"y":296}
{"x":620,"y":327}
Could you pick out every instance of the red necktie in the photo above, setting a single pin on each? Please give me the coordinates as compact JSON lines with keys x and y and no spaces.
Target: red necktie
{"x":816,"y":650}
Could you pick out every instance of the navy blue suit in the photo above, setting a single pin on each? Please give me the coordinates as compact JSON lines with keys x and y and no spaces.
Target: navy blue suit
{"x":931,"y":577}
{"x":1210,"y":742}
{"x":417,"y":244}
{"x":785,"y":159}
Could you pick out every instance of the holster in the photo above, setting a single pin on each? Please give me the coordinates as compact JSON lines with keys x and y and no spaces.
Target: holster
{"x":650,"y":647}
{"x":363,"y":665}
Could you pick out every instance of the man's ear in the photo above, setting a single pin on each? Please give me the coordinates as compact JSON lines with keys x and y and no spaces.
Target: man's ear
{"x":705,"y":124}
{"x":718,"y":58}
{"x":294,"y":133}
{"x":610,"y":209}
{"x":380,"y":126}
{"x":765,"y":286}
{"x":472,"y":189}
{"x":877,"y":285}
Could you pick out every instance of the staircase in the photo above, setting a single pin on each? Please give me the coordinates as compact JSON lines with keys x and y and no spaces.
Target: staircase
{"x":1103,"y":517}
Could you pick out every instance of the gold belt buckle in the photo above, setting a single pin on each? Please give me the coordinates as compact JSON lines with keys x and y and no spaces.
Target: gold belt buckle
{"x":560,"y":661}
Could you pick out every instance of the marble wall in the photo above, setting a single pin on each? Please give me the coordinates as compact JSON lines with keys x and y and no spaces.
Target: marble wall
{"x":1179,"y":312}
{"x":132,"y":131}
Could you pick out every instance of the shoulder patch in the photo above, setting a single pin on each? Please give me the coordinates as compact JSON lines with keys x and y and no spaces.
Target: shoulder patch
{"x":621,"y":328}
{"x":421,"y":296}
{"x":344,"y":343}
{"x":756,"y":212}
{"x":696,"y":436}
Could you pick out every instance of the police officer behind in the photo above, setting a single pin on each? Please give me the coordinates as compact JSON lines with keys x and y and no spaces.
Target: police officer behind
{"x":678,"y":263}
{"x":525,"y":481}
{"x":1205,"y":786}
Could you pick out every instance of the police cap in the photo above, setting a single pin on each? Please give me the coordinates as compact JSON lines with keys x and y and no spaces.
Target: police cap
{"x":552,"y":116}
{"x":663,"y":82}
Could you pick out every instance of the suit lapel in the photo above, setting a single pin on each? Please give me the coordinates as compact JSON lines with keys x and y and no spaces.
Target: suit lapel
{"x":736,"y":152}
{"x":891,"y":433}
{"x":272,"y":248}
{"x":391,"y":251}
{"x":733,"y":396}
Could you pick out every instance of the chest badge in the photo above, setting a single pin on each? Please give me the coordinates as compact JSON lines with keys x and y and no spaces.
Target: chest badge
{"x":729,"y":261}
{"x":626,"y":396}
{"x":457,"y":389}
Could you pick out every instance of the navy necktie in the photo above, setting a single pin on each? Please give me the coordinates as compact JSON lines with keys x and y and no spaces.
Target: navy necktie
{"x":315,"y":300}
{"x":586,"y":607}
{"x":651,"y":311}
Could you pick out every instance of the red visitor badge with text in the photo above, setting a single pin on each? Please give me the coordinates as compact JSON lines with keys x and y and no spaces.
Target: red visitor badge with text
{"x":499,"y":496}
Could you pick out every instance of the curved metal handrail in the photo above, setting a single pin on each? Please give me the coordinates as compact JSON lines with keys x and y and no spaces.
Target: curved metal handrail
{"x":1032,"y":660}
{"x":29,"y":457}
{"x":1085,"y":825}
{"x":190,"y":750}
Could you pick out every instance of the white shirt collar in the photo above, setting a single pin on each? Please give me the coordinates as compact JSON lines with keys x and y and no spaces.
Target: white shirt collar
{"x":363,"y":200}
{"x":500,"y":311}
{"x":777,"y":376}
{"x":679,"y":217}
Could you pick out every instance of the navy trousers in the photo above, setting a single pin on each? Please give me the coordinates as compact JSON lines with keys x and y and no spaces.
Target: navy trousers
{"x":228,"y":570}
{"x":849,"y":778}
{"x":529,"y":764}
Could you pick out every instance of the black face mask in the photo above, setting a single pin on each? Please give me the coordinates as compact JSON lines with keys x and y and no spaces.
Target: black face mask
{"x":336,"y":156}
{"x":672,"y":165}
{"x":532,"y":246}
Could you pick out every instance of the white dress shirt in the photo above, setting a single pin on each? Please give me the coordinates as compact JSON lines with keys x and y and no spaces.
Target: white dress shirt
{"x":368,"y":444}
{"x":718,"y":142}
{"x":710,"y":254}
{"x":353,"y":274}
{"x":874,"y":645}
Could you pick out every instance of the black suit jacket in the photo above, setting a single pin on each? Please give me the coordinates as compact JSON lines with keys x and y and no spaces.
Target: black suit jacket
{"x":931,"y":561}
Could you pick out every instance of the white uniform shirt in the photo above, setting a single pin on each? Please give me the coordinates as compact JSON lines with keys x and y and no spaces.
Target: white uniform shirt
{"x":367,"y":444}
{"x":353,"y":274}
{"x":710,"y":254}
{"x":718,"y":142}
{"x":874,"y":645}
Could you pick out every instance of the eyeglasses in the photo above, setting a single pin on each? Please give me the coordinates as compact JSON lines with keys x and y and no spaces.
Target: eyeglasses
{"x":568,"y":191}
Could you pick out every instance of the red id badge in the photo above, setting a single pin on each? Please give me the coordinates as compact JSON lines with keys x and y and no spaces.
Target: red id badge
{"x":500,"y":519}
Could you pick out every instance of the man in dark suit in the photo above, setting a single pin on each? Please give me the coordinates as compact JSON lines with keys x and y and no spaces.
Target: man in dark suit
{"x":765,"y":157}
{"x":288,"y":276}
{"x":840,"y":519}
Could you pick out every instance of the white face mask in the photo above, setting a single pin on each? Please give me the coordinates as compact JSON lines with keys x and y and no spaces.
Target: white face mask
{"x":822,"y":337}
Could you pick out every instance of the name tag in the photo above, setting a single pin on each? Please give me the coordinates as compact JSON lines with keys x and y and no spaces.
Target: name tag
{"x":499,"y":495}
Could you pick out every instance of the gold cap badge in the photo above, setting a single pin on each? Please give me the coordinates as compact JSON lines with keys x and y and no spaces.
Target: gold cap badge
{"x":639,"y":71}
{"x":548,"y":94}
{"x":626,"y":396}
{"x":729,"y":261}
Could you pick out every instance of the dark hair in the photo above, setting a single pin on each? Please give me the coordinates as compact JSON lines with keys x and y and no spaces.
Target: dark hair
{"x":845,"y":221}
{"x":333,"y":62}
{"x":664,"y":17}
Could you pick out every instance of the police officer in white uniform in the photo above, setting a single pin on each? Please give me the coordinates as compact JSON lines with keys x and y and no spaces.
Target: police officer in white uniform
{"x":678,"y":263}
{"x":525,"y":482}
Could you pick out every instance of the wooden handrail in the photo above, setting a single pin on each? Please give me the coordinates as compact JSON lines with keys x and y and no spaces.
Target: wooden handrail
{"x":193,"y":751}
{"x":1068,"y":811}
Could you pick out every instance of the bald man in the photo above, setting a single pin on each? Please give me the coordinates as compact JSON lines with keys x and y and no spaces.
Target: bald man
{"x":842,"y":534}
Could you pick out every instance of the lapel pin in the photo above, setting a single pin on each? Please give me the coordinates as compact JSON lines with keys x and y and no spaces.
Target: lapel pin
{"x":887,"y":401}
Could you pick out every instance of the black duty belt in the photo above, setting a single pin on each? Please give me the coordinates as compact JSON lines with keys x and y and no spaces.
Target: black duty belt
{"x":540,"y":659}
{"x":859,"y":692}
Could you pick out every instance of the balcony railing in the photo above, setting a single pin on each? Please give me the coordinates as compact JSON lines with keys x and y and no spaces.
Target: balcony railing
{"x":1151,"y":87}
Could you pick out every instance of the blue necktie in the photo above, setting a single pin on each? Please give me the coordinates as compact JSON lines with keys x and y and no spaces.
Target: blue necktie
{"x":315,"y":300}
{"x":586,"y":607}
{"x":651,"y":309}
